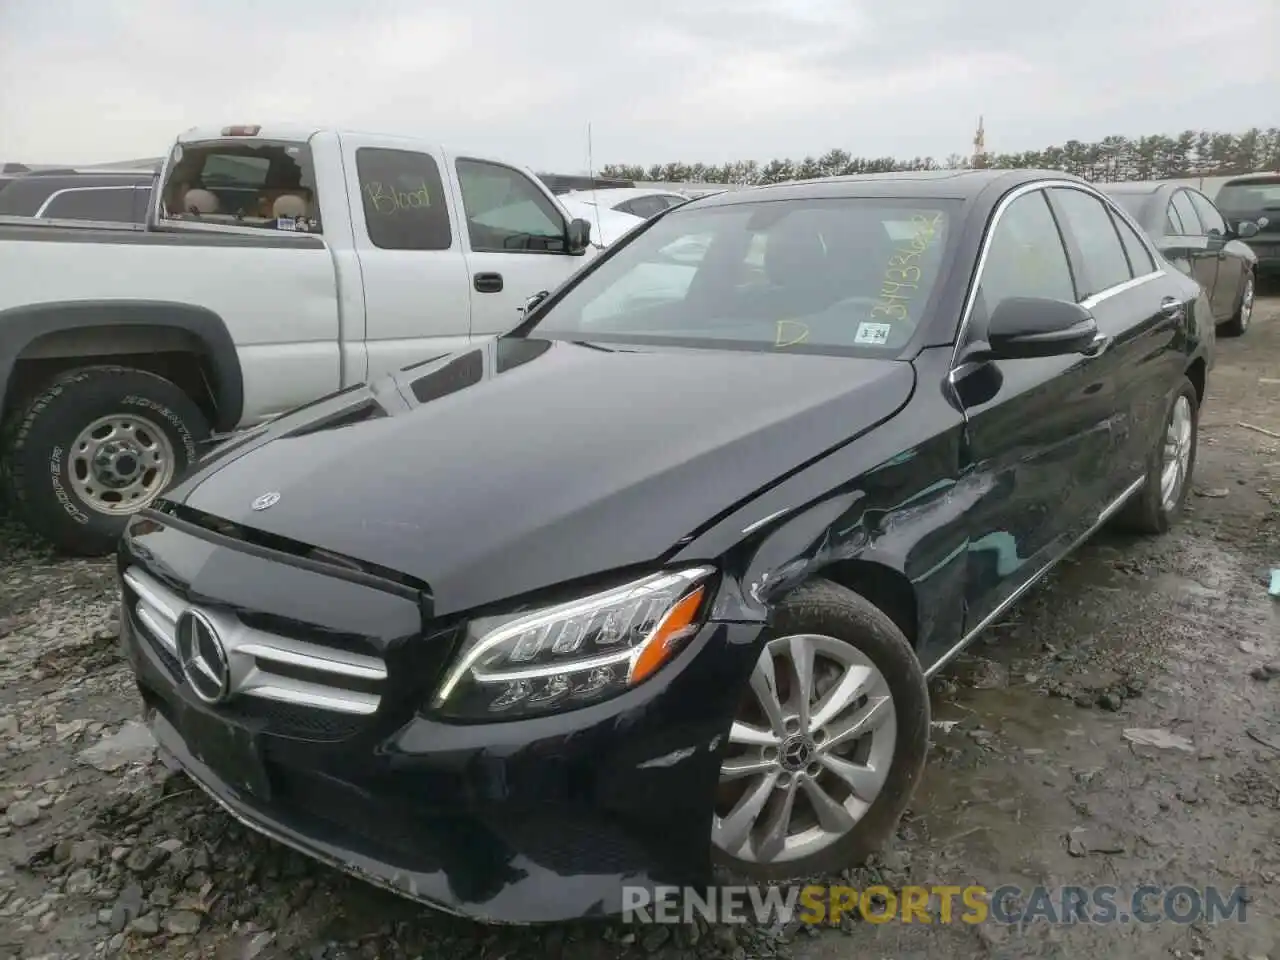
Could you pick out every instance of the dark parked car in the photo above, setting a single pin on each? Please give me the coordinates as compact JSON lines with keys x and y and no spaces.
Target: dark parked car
{"x":1196,"y":238}
{"x":1255,"y":198}
{"x":72,"y":195}
{"x":657,"y":579}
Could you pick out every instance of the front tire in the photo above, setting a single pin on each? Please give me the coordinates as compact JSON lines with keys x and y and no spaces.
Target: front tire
{"x":1159,"y":503}
{"x":828,"y":745}
{"x":1239,"y":322}
{"x":96,"y":446}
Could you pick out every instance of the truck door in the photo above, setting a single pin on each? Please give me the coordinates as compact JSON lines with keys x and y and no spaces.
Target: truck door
{"x":514,"y":234}
{"x":416,"y":286}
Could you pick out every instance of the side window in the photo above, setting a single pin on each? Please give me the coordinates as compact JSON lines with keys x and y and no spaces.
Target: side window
{"x":646,"y":206}
{"x":1139,"y":256}
{"x":1209,"y":216}
{"x":1191,"y":225}
{"x":1173,"y":223}
{"x":1026,"y":258}
{"x":1104,"y":262}
{"x":403,"y":199}
{"x":104,"y":203}
{"x":141,"y":201}
{"x":506,"y":212}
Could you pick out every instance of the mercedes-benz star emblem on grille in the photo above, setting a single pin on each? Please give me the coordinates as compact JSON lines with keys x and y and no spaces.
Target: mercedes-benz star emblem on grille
{"x":203,"y":657}
{"x":266,"y":500}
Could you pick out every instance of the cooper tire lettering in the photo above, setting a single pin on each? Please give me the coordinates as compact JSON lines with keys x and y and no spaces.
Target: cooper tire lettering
{"x":39,"y":459}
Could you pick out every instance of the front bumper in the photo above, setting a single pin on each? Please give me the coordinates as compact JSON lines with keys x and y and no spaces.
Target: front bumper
{"x":518,"y":822}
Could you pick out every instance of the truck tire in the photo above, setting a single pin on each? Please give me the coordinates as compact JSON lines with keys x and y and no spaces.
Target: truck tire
{"x":93,"y":448}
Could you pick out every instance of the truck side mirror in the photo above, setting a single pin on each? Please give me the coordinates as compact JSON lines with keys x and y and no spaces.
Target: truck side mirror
{"x":578,"y":236}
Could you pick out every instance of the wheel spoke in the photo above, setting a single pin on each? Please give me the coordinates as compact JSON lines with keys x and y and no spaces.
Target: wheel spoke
{"x":840,"y":697}
{"x":774,"y":840}
{"x":747,"y":735}
{"x":764,"y":683}
{"x":832,"y":817}
{"x":868,"y":718}
{"x":862,"y":779}
{"x":732,"y":832}
{"x":736,"y":768}
{"x":802,"y":660}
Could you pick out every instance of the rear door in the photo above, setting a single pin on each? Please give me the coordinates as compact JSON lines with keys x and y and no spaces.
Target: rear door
{"x":513,"y":234}
{"x":1230,"y":272}
{"x":1140,"y":317}
{"x":1190,"y":245}
{"x":1038,"y":428}
{"x":408,"y":253}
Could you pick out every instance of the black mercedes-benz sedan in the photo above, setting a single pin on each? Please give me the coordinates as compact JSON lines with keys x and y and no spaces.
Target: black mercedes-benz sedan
{"x":1196,"y":238}
{"x":655,"y":581}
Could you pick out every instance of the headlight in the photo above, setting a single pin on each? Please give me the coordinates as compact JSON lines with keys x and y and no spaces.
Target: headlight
{"x":575,"y":653}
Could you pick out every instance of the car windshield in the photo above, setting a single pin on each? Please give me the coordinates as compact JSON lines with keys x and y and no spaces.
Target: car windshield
{"x":831,"y":275}
{"x":1250,"y":196}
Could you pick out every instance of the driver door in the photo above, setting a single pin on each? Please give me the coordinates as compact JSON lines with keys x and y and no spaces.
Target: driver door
{"x":513,"y":238}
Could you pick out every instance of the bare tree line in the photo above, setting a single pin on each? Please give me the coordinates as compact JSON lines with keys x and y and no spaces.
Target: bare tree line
{"x":1189,"y":154}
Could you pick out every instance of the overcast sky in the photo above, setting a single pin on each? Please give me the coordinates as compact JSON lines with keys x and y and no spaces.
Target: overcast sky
{"x":660,"y":80}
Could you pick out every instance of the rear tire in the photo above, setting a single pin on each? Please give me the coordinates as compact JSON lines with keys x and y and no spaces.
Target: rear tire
{"x":1153,"y":509}
{"x":868,"y":777}
{"x":93,"y":448}
{"x":1239,"y":322}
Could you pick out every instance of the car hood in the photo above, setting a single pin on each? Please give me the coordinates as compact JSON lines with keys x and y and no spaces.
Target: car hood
{"x":520,"y":463}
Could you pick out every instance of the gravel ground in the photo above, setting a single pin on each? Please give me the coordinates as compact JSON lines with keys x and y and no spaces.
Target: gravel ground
{"x":103,"y":852}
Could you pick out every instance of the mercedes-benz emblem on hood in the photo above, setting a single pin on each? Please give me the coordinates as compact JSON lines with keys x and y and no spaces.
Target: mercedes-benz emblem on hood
{"x":266,"y":500}
{"x":203,"y":658}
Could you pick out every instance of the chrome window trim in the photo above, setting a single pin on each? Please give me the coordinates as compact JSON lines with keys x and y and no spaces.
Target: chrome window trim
{"x":1089,"y":302}
{"x":57,"y":193}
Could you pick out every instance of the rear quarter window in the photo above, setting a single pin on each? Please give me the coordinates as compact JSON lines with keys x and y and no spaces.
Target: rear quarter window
{"x":403,"y":199}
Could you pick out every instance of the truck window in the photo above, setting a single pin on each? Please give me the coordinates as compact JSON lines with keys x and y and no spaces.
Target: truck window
{"x":403,"y":199}
{"x":506,"y":212}
{"x":243,"y":182}
{"x":91,"y":203}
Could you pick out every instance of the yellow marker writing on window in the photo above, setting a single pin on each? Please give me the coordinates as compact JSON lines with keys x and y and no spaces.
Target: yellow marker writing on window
{"x":790,"y":332}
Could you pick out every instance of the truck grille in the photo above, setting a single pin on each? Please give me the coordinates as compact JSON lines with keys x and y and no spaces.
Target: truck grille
{"x":299,"y":687}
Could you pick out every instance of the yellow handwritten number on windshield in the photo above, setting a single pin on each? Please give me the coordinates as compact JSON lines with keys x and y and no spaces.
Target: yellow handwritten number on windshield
{"x":790,"y":333}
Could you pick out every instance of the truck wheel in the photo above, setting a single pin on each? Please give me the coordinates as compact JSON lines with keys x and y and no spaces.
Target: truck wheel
{"x":99,"y":444}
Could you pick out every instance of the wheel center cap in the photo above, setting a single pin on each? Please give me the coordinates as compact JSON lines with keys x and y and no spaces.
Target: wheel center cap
{"x":117,"y":464}
{"x":796,"y":753}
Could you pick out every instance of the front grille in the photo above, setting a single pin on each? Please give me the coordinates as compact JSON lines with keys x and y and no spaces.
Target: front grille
{"x":298,"y":687}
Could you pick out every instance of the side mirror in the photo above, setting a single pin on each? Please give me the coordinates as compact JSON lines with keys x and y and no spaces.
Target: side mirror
{"x":1262,"y":222}
{"x":1246,"y":229}
{"x":1025,"y":327}
{"x":578,"y":236}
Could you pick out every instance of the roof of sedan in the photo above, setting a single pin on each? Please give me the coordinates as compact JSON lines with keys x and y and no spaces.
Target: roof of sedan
{"x":956,"y":184}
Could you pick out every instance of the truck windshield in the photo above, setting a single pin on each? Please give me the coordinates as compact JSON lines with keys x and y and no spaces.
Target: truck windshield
{"x":265,"y":184}
{"x":833,"y":275}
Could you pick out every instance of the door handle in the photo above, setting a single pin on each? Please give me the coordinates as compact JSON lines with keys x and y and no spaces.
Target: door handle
{"x":488,"y":282}
{"x":1171,"y":308}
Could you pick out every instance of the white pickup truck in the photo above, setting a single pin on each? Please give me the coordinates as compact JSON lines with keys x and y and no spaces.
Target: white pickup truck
{"x":276,"y":266}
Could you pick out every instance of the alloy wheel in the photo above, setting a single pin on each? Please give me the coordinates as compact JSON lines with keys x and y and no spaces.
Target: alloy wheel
{"x":1177,"y":453}
{"x":808,"y":753}
{"x":1246,"y":302}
